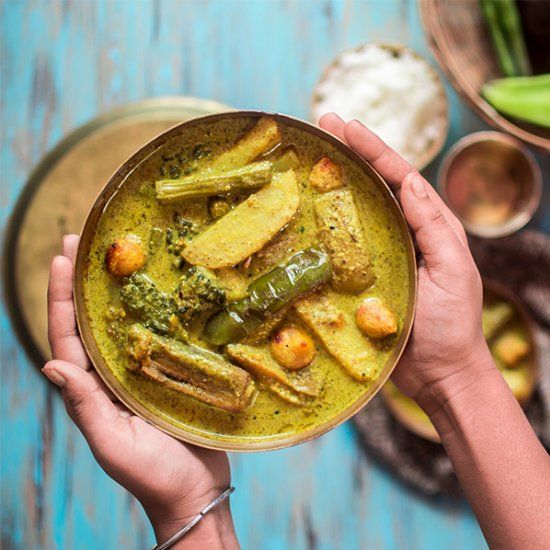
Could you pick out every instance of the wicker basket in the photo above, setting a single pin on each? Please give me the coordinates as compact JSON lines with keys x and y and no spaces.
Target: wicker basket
{"x":459,"y":41}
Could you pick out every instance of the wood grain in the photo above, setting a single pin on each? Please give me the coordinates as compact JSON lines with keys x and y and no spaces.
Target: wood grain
{"x":64,"y":62}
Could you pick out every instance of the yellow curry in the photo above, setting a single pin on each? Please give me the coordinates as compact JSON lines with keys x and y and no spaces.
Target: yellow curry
{"x":247,"y":280}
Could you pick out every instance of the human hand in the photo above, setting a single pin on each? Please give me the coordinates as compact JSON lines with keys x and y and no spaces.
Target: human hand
{"x":172,"y":481}
{"x":447,"y":351}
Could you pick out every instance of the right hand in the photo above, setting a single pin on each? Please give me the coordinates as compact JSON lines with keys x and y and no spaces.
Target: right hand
{"x":447,"y":350}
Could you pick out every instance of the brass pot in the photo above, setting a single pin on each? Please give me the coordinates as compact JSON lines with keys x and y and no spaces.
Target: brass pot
{"x":134,"y":404}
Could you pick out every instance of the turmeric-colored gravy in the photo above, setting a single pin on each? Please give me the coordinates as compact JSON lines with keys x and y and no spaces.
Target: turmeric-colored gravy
{"x":265,"y":246}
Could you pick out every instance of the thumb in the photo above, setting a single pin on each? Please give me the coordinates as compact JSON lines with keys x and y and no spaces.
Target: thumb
{"x":437,"y":240}
{"x":87,"y":403}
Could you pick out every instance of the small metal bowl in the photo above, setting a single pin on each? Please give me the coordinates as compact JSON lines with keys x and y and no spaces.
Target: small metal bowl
{"x":492,"y":177}
{"x":188,"y":433}
{"x":396,"y":50}
{"x":409,"y":414}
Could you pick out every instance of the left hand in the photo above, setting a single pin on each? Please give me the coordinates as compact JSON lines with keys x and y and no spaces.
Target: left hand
{"x":172,"y":481}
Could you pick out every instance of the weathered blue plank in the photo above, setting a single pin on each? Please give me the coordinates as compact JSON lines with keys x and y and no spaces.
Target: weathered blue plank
{"x":64,"y":62}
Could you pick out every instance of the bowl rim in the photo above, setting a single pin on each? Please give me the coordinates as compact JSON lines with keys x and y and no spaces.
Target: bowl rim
{"x":428,"y":432}
{"x":187,"y":434}
{"x":519,"y":219}
{"x":438,"y":143}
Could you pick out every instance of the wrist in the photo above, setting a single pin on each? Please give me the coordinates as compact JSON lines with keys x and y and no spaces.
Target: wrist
{"x":466,"y":380}
{"x":215,"y":530}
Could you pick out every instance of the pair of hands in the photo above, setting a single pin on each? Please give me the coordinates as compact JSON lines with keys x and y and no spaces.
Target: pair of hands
{"x":173,"y":481}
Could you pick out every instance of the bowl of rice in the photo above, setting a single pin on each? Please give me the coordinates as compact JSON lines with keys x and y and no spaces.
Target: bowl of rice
{"x":392,"y":90}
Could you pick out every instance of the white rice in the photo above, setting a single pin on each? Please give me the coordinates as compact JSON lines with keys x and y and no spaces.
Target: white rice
{"x":398,"y":98}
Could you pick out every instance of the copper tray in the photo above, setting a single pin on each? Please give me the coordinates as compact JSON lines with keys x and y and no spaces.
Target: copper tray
{"x":126,"y":397}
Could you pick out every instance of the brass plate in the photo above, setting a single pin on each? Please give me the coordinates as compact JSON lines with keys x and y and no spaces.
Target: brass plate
{"x":131,"y":401}
{"x":62,"y":189}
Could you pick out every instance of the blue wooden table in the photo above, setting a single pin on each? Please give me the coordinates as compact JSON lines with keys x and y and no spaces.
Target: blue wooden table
{"x":64,"y":62}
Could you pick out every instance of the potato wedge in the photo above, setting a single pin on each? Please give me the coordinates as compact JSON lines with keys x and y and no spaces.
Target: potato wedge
{"x":260,"y":139}
{"x":339,"y":228}
{"x":340,"y":335}
{"x":231,"y":239}
{"x":260,"y":364}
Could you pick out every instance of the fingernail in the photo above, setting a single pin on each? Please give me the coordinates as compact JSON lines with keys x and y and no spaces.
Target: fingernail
{"x":55,"y":376}
{"x":125,"y":414}
{"x":418,"y":187}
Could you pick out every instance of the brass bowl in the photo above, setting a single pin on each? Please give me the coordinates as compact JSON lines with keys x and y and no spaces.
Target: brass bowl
{"x":416,"y":421}
{"x":408,"y":413}
{"x":516,"y":177}
{"x":461,"y":44}
{"x":133,"y":403}
{"x":397,"y":49}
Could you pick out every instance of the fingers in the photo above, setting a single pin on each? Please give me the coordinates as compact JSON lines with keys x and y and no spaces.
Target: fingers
{"x":86,"y":402}
{"x":454,"y":222}
{"x":396,"y":171}
{"x":389,"y":164}
{"x":437,"y":240}
{"x":70,"y":246}
{"x":62,"y":330}
{"x":332,"y":123}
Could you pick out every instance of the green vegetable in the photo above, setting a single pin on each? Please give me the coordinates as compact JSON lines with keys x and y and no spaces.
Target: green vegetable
{"x":494,"y":316}
{"x":198,"y":291}
{"x":156,"y":309}
{"x":213,"y":182}
{"x":504,"y":24}
{"x":269,"y":293}
{"x":192,"y":370}
{"x":526,"y":98}
{"x":179,"y":236}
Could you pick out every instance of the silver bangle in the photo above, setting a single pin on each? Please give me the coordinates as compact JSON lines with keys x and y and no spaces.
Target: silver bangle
{"x":186,"y":528}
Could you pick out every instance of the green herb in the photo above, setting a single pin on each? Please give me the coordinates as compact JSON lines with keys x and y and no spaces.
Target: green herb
{"x":504,"y":24}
